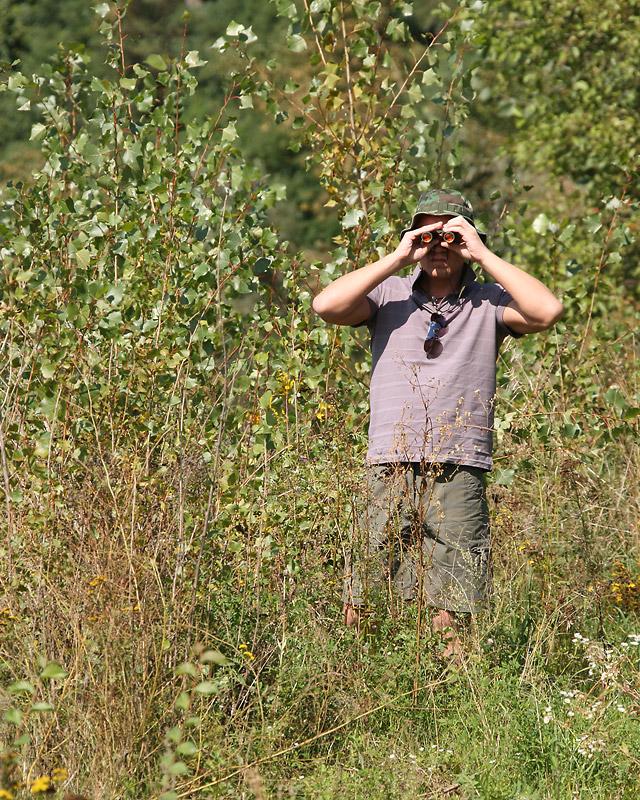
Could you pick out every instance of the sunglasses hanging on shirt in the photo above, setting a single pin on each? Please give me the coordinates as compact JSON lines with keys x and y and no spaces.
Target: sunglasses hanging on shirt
{"x":438,"y":322}
{"x":452,"y":305}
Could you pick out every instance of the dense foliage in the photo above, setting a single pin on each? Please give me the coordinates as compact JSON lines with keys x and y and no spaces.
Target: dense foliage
{"x":181,"y":441}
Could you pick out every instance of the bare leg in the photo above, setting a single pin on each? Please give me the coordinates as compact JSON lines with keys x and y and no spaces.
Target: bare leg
{"x":351,"y":615}
{"x":444,"y":623}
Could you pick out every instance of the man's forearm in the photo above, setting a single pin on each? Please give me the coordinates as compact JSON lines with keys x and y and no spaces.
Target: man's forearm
{"x":346,"y":292}
{"x":534,"y":301}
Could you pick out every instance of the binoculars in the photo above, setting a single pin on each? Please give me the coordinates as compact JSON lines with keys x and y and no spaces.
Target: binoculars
{"x":450,"y":237}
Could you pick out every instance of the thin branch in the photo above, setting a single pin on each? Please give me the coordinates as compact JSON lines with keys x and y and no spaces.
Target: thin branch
{"x":601,"y":265}
{"x":315,"y":33}
{"x":415,"y":67}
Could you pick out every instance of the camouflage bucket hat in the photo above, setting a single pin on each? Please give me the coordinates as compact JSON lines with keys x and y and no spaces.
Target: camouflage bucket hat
{"x":444,"y":201}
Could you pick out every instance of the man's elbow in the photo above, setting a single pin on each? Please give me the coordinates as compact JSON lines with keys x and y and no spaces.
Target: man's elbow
{"x":545,"y":317}
{"x":324,"y":309}
{"x":555,"y":312}
{"x":552,"y":313}
{"x":319,"y":305}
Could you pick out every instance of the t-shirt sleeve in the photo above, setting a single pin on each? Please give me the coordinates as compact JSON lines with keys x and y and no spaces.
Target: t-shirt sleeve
{"x":503,"y":300}
{"x":375,"y":298}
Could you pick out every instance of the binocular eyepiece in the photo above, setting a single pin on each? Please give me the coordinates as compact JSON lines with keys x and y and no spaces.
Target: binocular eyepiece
{"x":450,"y":237}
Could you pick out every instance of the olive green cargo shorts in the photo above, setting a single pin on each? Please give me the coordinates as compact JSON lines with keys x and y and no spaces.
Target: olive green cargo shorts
{"x":423,"y":531}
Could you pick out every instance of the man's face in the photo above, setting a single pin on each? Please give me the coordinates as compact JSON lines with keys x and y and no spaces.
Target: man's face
{"x":439,"y":262}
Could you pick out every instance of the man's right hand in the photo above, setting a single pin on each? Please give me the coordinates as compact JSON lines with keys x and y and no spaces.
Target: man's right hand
{"x":344,"y":300}
{"x":411,"y":249}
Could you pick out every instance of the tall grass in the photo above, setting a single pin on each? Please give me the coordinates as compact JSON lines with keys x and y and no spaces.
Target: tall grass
{"x":232,"y":569}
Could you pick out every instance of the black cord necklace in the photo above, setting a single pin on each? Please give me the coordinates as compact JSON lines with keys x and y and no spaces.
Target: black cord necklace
{"x":437,"y":305}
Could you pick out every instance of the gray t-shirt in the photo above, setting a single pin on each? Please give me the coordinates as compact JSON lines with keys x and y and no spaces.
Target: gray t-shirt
{"x":437,"y":406}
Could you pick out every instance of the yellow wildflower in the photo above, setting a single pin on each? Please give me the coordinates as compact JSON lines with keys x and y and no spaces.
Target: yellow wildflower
{"x":60,"y":774}
{"x":6,"y":615}
{"x":287,"y":382}
{"x":5,"y":795}
{"x":245,"y":652}
{"x":41,"y":784}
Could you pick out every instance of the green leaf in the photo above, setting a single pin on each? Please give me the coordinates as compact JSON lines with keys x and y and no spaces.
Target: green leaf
{"x":265,"y":399}
{"x":47,"y":407}
{"x":102,"y":9}
{"x":429,"y":77}
{"x":12,"y":715}
{"x":20,"y":687}
{"x":213,"y":657}
{"x":238,"y":31}
{"x":206,"y":688}
{"x":83,"y":257}
{"x":37,"y":132}
{"x":504,"y":477}
{"x":286,"y":8}
{"x":187,"y":748}
{"x":296,"y":43}
{"x":229,"y":134}
{"x":352,"y":218}
{"x":53,"y":671}
{"x":614,"y":397}
{"x":156,"y":62}
{"x":261,"y":265}
{"x":42,"y":706}
{"x":234,"y":28}
{"x":192,"y":59}
{"x":115,"y":294}
{"x":47,"y":369}
{"x":571,"y":430}
{"x":187,"y":669}
{"x":174,"y":734}
{"x":541,"y":224}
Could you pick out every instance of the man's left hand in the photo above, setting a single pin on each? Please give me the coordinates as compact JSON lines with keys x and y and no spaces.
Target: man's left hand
{"x":472,"y":248}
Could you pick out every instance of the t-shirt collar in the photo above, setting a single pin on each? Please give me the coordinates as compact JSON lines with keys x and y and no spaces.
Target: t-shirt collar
{"x":468,"y":279}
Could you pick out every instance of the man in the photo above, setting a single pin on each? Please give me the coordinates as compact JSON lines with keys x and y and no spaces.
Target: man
{"x":435,"y":335}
